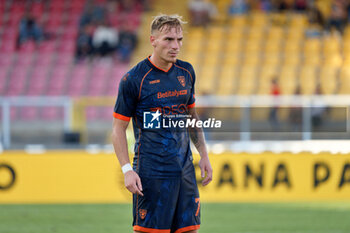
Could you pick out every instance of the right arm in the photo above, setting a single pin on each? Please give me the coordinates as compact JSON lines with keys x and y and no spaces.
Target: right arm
{"x":131,"y":178}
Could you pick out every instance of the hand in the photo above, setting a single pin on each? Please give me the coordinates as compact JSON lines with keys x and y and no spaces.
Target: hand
{"x":205,"y":167}
{"x":133,"y":182}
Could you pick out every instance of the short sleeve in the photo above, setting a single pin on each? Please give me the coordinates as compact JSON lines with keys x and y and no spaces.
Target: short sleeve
{"x":126,"y":102}
{"x":192,"y":100}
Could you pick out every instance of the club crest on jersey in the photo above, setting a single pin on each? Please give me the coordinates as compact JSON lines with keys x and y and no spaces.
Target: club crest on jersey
{"x":181,"y":80}
{"x":143,"y":213}
{"x":125,"y":77}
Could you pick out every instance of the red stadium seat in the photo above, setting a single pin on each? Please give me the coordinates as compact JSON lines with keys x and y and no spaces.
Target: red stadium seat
{"x":44,"y":59}
{"x":64,"y":59}
{"x":67,"y":46}
{"x":29,"y":113}
{"x":6,"y":59}
{"x":51,"y":113}
{"x":24,"y":60}
{"x":37,"y":9}
{"x":37,"y":81}
{"x":47,"y":46}
{"x":3,"y":79}
{"x":27,"y":47}
{"x":17,"y":81}
{"x":10,"y":34}
{"x":57,"y":82}
{"x":92,"y":113}
{"x":7,"y":46}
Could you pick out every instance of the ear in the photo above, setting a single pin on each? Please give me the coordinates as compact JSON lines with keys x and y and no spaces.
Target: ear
{"x":153,"y":40}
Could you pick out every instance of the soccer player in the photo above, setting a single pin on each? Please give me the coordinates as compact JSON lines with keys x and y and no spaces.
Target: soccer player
{"x":162,"y":180}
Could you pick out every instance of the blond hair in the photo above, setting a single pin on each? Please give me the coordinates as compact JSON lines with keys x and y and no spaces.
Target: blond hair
{"x":162,"y":20}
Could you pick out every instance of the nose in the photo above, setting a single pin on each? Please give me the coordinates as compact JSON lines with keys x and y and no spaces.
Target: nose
{"x":176,"y":45}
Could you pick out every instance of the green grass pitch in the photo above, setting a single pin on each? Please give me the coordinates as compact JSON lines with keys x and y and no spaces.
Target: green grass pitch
{"x":303,"y":217}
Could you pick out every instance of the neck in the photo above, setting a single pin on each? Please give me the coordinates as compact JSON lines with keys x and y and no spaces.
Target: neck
{"x":160,"y":62}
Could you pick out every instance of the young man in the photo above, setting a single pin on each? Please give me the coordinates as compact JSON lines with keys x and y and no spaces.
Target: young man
{"x":163,"y":183}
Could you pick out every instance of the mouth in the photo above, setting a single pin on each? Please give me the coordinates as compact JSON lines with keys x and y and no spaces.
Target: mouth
{"x":173,"y":54}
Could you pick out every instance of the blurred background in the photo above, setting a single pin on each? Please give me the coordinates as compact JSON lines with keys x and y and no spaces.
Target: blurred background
{"x":283,"y":66}
{"x":276,"y":72}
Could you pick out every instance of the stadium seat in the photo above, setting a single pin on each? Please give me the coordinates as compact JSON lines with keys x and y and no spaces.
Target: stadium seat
{"x":344,"y":81}
{"x":29,"y":113}
{"x":287,"y":78}
{"x":264,"y":79}
{"x":247,"y":80}
{"x":329,"y":80}
{"x":308,"y":79}
{"x":3,"y":80}
{"x":38,"y":81}
{"x":51,"y":113}
{"x":227,"y":81}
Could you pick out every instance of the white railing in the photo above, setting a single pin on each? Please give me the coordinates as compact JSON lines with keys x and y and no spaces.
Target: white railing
{"x":8,"y":102}
{"x":245,"y":102}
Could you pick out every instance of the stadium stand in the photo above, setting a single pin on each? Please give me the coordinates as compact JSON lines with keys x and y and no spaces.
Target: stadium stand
{"x":48,"y":67}
{"x":264,"y":43}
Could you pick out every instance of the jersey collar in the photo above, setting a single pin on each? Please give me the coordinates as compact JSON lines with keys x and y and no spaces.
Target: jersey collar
{"x":154,"y":65}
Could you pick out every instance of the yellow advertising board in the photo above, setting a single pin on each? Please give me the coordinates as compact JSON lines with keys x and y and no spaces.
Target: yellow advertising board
{"x":79,"y":177}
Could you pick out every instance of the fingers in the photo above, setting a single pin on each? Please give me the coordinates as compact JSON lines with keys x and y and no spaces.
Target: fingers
{"x":133,"y":183}
{"x":139,"y":186}
{"x":202,"y":172}
{"x":209,"y":176}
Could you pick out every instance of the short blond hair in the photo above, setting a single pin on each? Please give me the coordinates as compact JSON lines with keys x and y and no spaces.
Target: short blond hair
{"x":162,"y":20}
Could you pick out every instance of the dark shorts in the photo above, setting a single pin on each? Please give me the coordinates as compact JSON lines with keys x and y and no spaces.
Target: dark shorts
{"x":168,"y":206}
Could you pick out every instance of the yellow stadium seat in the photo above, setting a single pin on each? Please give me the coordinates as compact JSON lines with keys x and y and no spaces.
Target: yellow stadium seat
{"x":287,"y":79}
{"x":273,"y":46}
{"x":252,"y":46}
{"x":298,"y":21}
{"x":206,"y":79}
{"x":328,"y":80}
{"x":312,"y":52}
{"x":296,"y":34}
{"x":333,"y":60}
{"x":259,"y":19}
{"x":235,"y":34}
{"x":308,"y":79}
{"x":213,"y":46}
{"x":272,"y":59}
{"x":344,"y":80}
{"x":252,"y":59}
{"x":275,"y":33}
{"x":256,"y":33}
{"x":247,"y":80}
{"x":331,"y":46}
{"x":196,"y":33}
{"x":264,"y":79}
{"x":292,"y":46}
{"x":231,"y":59}
{"x":291,"y":59}
{"x":233,"y":46}
{"x":312,"y":47}
{"x":211,"y":59}
{"x":227,"y":84}
{"x":238,"y":21}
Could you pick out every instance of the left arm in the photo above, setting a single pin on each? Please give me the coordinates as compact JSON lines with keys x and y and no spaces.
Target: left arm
{"x":197,"y":138}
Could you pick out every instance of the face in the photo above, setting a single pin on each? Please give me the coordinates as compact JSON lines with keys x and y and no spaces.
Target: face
{"x":167,"y":43}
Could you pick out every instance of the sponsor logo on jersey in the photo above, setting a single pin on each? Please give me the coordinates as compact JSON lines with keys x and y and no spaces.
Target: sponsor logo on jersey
{"x":154,"y":81}
{"x":167,"y":94}
{"x":182,"y":80}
